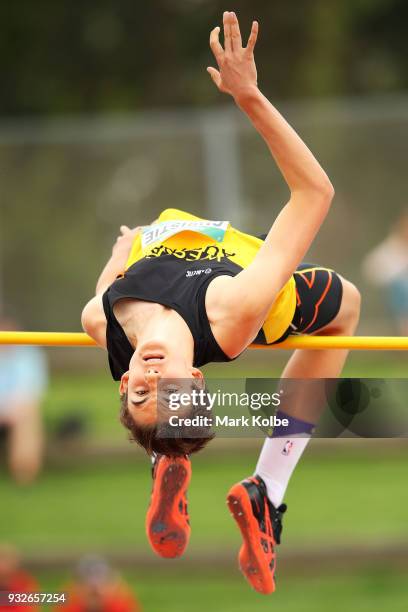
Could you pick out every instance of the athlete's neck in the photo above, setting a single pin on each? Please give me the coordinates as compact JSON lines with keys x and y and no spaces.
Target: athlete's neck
{"x":149,"y":323}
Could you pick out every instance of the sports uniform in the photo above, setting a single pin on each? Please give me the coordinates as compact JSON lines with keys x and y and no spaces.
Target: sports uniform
{"x":173,"y":261}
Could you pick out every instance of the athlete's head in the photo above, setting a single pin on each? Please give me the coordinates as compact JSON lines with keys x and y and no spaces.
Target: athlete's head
{"x":157,"y":373}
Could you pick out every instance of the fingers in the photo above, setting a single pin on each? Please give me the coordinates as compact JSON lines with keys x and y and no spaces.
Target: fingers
{"x":215,"y":44}
{"x":252,"y":37}
{"x":232,"y":39}
{"x":126,"y":231}
{"x":227,"y":32}
{"x":236,"y":38}
{"x":215,"y":75}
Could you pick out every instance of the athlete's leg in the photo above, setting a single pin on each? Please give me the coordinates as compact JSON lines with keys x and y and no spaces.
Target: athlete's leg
{"x":276,"y":464}
{"x":325,"y":363}
{"x":255,"y":503}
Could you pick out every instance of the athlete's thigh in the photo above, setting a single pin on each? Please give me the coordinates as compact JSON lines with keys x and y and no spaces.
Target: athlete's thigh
{"x":319,"y":296}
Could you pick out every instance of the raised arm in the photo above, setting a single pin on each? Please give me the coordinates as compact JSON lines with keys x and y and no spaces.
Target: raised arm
{"x":311,"y":192}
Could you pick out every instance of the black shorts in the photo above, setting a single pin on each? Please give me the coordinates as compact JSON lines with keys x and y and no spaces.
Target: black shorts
{"x":319,"y":292}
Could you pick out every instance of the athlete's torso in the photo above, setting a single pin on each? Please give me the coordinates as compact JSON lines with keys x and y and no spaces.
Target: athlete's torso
{"x":175,"y":271}
{"x":172,"y":283}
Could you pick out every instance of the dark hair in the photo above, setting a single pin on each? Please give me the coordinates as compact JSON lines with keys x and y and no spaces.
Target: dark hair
{"x":163,"y":439}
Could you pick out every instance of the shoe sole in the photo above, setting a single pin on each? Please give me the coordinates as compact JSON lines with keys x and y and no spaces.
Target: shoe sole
{"x":252,"y":560}
{"x":166,"y":529}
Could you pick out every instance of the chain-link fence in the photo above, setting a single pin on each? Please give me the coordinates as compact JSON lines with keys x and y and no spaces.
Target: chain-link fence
{"x":68,"y":185}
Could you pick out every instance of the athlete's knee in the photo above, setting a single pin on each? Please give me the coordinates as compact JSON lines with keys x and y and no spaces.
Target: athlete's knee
{"x":354,"y":299}
{"x":351,"y":303}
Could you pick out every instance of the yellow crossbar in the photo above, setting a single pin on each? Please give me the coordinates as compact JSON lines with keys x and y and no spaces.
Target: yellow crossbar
{"x":46,"y":338}
{"x":370,"y":343}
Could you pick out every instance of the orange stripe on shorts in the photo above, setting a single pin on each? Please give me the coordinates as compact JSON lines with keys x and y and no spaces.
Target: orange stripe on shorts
{"x":317,"y":306}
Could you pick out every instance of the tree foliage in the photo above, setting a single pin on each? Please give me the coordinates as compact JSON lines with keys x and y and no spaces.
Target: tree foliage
{"x":68,"y":57}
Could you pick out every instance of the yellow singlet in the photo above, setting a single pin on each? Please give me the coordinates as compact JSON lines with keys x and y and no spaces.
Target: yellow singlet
{"x":188,"y":237}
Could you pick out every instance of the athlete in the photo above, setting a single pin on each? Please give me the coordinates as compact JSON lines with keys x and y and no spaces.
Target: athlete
{"x":184,"y":291}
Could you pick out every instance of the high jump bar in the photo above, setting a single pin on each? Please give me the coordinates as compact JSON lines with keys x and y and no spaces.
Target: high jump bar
{"x":368,"y":343}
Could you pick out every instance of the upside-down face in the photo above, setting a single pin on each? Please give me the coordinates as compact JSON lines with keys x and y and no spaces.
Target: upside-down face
{"x":155,"y":372}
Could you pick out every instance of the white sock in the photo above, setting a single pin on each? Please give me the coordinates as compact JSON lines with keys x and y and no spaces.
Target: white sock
{"x":276,"y":463}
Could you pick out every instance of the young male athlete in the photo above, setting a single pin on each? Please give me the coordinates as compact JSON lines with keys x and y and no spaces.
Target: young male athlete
{"x":184,"y":292}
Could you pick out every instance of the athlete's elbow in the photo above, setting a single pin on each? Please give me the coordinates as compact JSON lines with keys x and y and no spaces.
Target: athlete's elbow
{"x":327,"y":191}
{"x":316,"y":197}
{"x":94,"y":330}
{"x":88,"y":319}
{"x":85,"y":322}
{"x":322,"y":194}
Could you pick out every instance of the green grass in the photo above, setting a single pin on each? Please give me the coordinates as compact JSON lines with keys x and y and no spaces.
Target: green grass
{"x":332,"y":500}
{"x":95,"y":399}
{"x":365,"y":591}
{"x":341,"y":498}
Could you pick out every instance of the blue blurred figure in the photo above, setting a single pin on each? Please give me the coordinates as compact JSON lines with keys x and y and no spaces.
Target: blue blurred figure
{"x":387,"y":266}
{"x":23,"y":381}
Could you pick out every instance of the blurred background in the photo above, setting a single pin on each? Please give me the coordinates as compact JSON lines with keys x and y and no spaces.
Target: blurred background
{"x":107,"y":116}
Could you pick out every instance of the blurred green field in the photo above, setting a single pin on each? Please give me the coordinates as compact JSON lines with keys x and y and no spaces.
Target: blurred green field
{"x":333,"y":500}
{"x":94,"y":396}
{"x":77,"y":506}
{"x":342,"y":496}
{"x":366,"y":591}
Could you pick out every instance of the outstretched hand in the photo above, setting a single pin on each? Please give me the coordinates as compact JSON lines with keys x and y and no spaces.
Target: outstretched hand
{"x":237,"y":69}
